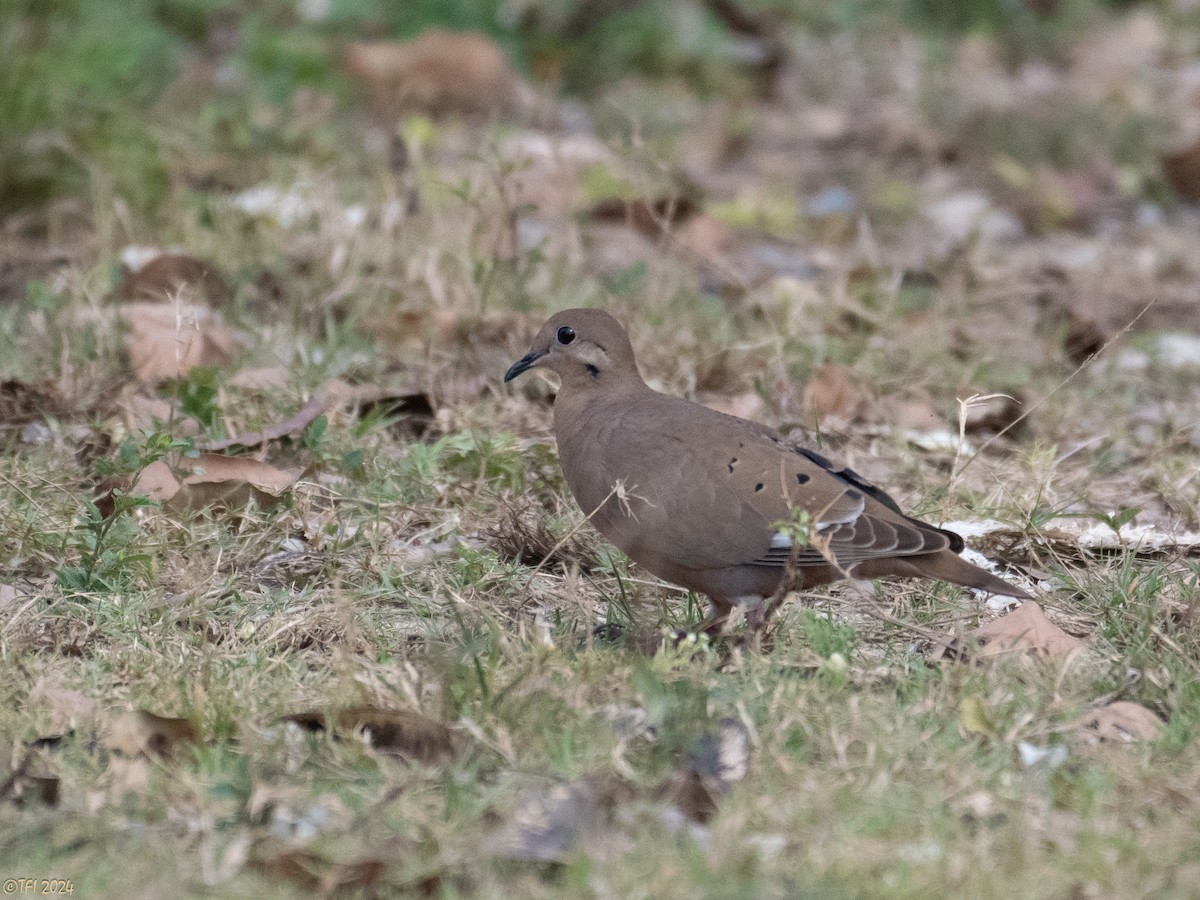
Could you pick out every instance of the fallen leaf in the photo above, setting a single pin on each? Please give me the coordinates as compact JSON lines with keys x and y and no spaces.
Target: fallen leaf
{"x":1122,"y":721}
{"x":992,"y":413}
{"x":1024,"y":630}
{"x":412,"y":409}
{"x":402,"y":732}
{"x":1182,"y":171}
{"x":142,"y":733}
{"x":1084,"y":338}
{"x":832,"y":399}
{"x":156,"y":481}
{"x":438,"y":72}
{"x":8,"y":595}
{"x":166,"y":275}
{"x":140,"y":412}
{"x":708,"y":239}
{"x":543,"y":188}
{"x":315,"y":874}
{"x":910,"y":414}
{"x":229,"y":482}
{"x":289,"y":427}
{"x":267,"y":378}
{"x":166,"y":341}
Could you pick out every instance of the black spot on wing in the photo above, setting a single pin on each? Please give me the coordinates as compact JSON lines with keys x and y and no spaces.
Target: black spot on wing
{"x":801,"y":478}
{"x":758,"y":487}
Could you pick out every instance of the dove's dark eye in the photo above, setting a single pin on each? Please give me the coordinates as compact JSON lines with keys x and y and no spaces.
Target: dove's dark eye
{"x":565,"y":335}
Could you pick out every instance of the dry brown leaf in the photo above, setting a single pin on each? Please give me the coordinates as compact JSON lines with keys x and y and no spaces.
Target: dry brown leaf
{"x":142,"y":733}
{"x":832,"y":399}
{"x":1025,"y":630}
{"x":166,"y":341}
{"x":169,"y":274}
{"x":709,"y":240}
{"x":547,"y":187}
{"x":305,"y":416}
{"x":402,"y":732}
{"x":688,"y":793}
{"x":994,"y":412}
{"x":439,"y":72}
{"x":910,"y":414}
{"x":412,"y":408}
{"x":145,"y":413}
{"x":156,"y":481}
{"x":1084,"y":338}
{"x":1182,"y":171}
{"x":229,"y":482}
{"x":266,"y":378}
{"x":314,"y":874}
{"x":1122,"y":721}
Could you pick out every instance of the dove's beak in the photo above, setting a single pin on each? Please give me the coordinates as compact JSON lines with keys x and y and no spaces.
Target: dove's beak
{"x":526,"y":362}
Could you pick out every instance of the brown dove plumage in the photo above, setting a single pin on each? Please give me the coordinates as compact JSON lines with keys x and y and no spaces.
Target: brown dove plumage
{"x":720,"y":505}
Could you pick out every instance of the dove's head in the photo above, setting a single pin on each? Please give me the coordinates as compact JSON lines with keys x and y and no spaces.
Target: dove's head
{"x":581,"y":346}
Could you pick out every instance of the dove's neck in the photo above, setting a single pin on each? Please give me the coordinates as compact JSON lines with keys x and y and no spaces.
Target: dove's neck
{"x":584,"y":394}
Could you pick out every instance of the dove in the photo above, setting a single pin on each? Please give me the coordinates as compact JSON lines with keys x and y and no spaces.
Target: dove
{"x":714,"y":503}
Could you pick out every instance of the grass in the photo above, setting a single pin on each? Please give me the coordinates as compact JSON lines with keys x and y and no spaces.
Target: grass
{"x":404,"y":571}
